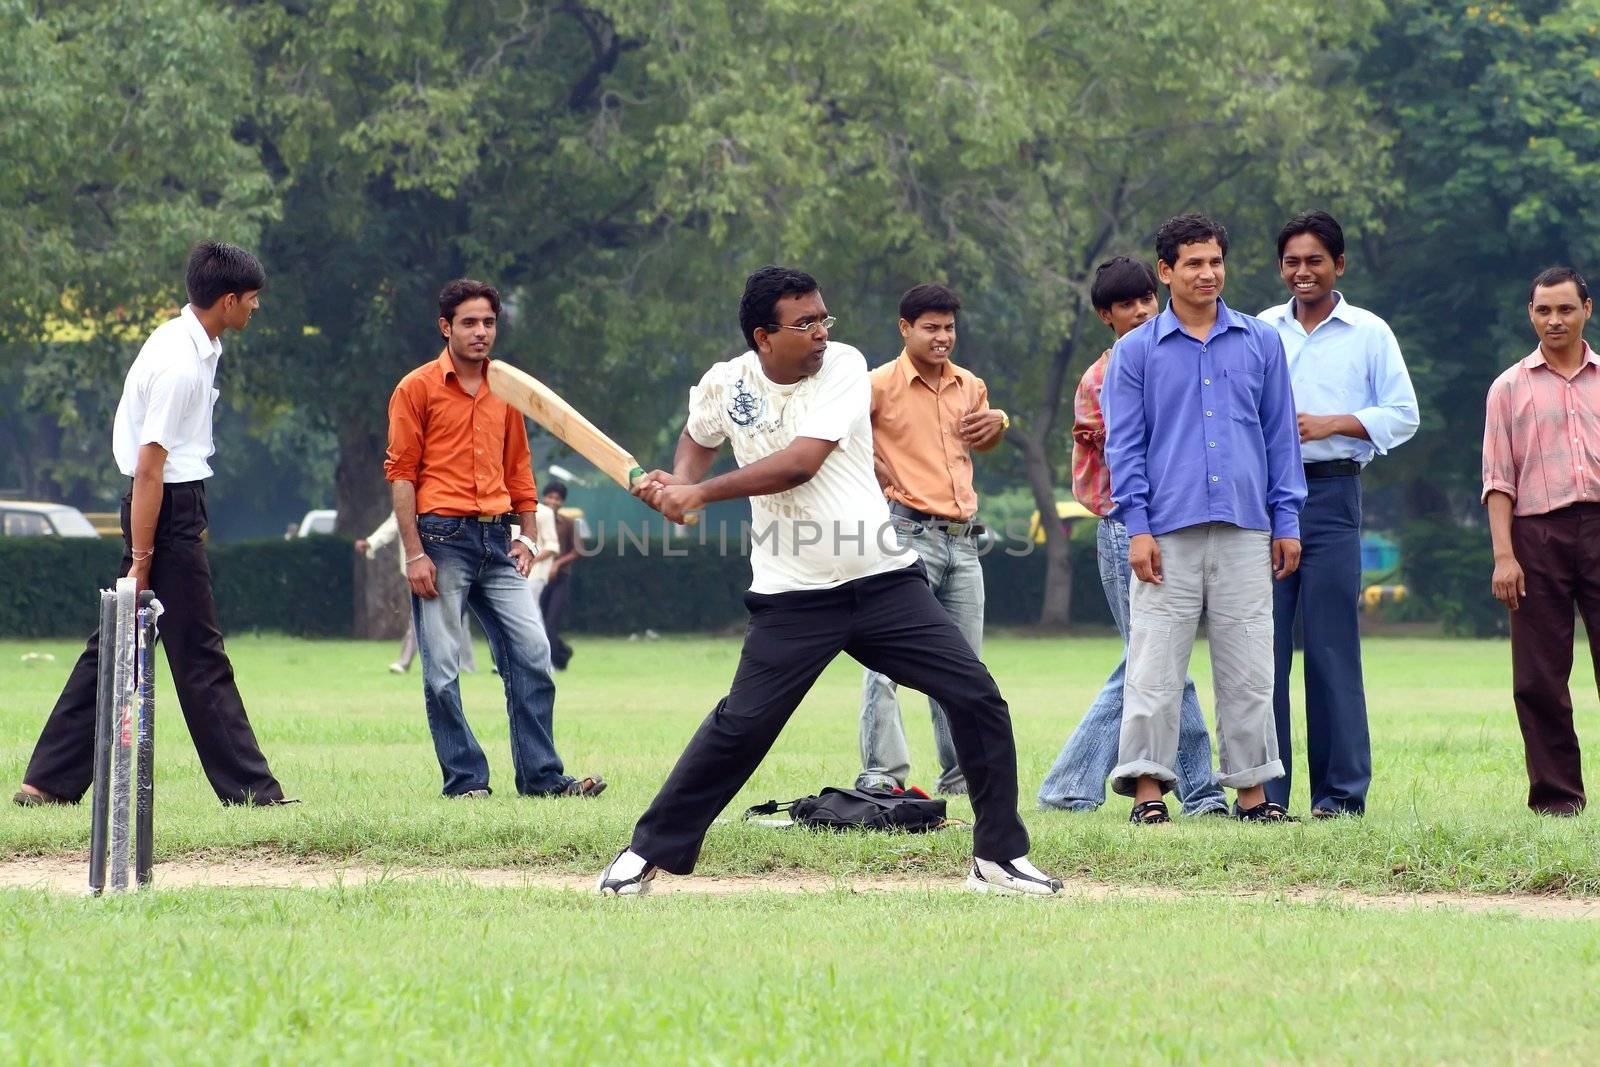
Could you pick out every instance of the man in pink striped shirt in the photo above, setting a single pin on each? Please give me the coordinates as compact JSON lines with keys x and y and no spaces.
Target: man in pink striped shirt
{"x":1541,"y":484}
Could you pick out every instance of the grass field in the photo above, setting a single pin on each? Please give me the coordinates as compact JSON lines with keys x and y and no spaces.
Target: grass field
{"x":425,"y":970}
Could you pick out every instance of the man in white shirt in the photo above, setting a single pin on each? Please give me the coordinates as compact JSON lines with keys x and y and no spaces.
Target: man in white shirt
{"x":1353,"y":400}
{"x":828,"y":576}
{"x":162,"y":441}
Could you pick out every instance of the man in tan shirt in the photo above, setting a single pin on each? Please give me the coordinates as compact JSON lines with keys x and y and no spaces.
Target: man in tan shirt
{"x":928,"y":417}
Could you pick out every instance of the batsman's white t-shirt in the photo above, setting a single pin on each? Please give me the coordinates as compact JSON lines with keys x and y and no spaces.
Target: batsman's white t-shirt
{"x":834,"y":528}
{"x":167,"y":400}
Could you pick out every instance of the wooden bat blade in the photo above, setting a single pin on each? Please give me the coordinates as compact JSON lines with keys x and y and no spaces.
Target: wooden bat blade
{"x":544,"y":405}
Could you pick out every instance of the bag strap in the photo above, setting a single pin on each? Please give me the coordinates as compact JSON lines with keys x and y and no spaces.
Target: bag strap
{"x":772,"y":807}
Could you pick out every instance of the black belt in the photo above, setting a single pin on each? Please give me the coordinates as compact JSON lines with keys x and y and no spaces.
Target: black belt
{"x":487,"y":520}
{"x":1333,"y":468}
{"x":949,"y":526}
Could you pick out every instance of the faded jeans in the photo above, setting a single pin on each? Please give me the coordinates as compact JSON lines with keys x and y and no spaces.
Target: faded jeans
{"x":475,"y":572}
{"x":956,"y":575}
{"x":1077,"y":782}
{"x":1224,"y":573}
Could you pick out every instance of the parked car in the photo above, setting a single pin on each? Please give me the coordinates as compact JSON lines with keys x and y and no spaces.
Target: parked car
{"x":318,"y":521}
{"x":29,"y":518}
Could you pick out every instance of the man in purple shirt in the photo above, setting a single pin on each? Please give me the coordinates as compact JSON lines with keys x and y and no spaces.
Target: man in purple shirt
{"x":1206,"y":476}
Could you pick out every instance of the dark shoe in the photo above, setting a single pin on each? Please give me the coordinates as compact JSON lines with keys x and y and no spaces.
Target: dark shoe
{"x":471,"y":794}
{"x":1150,"y":813}
{"x":1330,"y":813}
{"x":954,"y":789}
{"x":592,"y":786}
{"x":22,"y":798}
{"x":1266,"y":811}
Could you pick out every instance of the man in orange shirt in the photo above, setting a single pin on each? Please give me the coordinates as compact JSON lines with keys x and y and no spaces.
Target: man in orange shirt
{"x":458,"y":465}
{"x":928,"y":416}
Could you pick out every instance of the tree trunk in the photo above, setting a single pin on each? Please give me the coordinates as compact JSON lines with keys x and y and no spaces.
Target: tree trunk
{"x":1056,"y":610}
{"x":362,"y":495}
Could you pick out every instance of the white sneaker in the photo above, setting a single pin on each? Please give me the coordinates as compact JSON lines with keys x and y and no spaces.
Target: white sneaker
{"x":1016,"y":876}
{"x":629,"y":875}
{"x":397,"y":667}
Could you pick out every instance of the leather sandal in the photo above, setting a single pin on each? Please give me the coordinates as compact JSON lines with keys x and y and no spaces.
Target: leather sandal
{"x":592,"y":786}
{"x":1150,"y":813}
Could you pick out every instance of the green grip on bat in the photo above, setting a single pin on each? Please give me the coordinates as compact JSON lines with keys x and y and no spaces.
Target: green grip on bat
{"x":636,"y":475}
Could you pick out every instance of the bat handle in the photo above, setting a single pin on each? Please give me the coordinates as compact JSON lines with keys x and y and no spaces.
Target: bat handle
{"x":636,"y":475}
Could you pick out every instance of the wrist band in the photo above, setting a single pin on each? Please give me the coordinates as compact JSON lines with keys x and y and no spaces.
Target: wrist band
{"x":137,"y":555}
{"x":413,"y":559}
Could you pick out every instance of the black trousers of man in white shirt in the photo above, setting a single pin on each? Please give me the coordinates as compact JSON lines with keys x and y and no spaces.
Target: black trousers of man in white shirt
{"x":63,"y":760}
{"x":890,"y":623}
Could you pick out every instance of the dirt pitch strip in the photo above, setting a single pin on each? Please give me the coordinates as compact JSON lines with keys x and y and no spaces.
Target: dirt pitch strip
{"x":67,"y":874}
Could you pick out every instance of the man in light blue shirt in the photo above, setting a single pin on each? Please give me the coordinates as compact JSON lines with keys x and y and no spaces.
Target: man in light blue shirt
{"x":1354,"y":400}
{"x":1206,"y":475}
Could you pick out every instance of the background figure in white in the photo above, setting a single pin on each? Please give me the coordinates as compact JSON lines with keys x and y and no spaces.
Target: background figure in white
{"x":389,"y":531}
{"x":545,"y":538}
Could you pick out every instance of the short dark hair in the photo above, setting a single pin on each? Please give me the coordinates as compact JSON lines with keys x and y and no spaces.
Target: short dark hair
{"x":458,"y":292}
{"x":217,"y":269}
{"x":1319,"y":224}
{"x":930,"y":296}
{"x":1121,"y":278}
{"x":556,"y":486}
{"x":1557,"y":275}
{"x":762,"y":291}
{"x":1188,"y":229}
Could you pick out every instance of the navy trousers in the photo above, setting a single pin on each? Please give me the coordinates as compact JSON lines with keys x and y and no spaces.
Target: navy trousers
{"x":1325,"y":594}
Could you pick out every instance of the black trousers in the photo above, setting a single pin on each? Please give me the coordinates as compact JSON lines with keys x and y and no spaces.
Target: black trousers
{"x":63,"y":758}
{"x":1560,"y":557}
{"x":890,"y":623}
{"x":553,"y":600}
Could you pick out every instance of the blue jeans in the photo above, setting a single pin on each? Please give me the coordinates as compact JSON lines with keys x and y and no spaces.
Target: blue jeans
{"x":1077,"y":782}
{"x":475,"y":572}
{"x":956,"y":575}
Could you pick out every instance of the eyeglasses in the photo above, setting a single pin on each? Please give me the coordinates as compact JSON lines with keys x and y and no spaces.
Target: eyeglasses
{"x":807,"y":327}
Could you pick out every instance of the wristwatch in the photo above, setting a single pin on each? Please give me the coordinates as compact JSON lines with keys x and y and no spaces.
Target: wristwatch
{"x":528,"y":541}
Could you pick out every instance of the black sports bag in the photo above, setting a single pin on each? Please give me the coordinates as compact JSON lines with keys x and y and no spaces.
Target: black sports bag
{"x":860,"y":809}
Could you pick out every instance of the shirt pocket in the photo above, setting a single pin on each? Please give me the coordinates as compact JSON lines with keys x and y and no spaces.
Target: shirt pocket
{"x":1244,"y":395}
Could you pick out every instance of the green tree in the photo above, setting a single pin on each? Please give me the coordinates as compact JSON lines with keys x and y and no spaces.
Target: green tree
{"x":1496,"y":107}
{"x":1008,"y":148}
{"x":116,"y":154}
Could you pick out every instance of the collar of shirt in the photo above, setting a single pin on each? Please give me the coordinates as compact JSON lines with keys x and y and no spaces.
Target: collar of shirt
{"x":205,"y":346}
{"x":1227,"y":319}
{"x":908,"y":370}
{"x":1536,"y":357}
{"x":1284,"y":314}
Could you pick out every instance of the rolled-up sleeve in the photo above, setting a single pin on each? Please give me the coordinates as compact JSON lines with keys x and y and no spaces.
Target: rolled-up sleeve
{"x":404,"y":454}
{"x":1392,"y":419}
{"x":1499,"y":458}
{"x":1286,"y":475}
{"x":1122,"y":406}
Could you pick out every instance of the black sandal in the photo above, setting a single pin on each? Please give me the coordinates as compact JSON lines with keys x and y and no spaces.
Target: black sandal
{"x":1266,"y":811}
{"x":1150,"y":813}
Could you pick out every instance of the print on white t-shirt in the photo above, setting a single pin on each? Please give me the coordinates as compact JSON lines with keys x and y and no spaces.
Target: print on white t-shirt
{"x":835,"y":527}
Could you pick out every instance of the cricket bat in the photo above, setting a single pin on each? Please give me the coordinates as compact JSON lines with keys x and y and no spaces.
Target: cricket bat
{"x":543,"y":405}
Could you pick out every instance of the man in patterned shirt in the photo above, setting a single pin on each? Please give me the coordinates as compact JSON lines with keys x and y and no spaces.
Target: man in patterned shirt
{"x":1541,"y":484}
{"x":828,"y":577}
{"x":1124,"y":295}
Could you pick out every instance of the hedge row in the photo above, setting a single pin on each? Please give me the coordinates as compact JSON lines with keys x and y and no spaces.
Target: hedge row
{"x":301,"y":587}
{"x":304,"y":587}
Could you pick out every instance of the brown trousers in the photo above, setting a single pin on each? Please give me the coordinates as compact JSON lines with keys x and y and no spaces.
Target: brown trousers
{"x":1560,"y":557}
